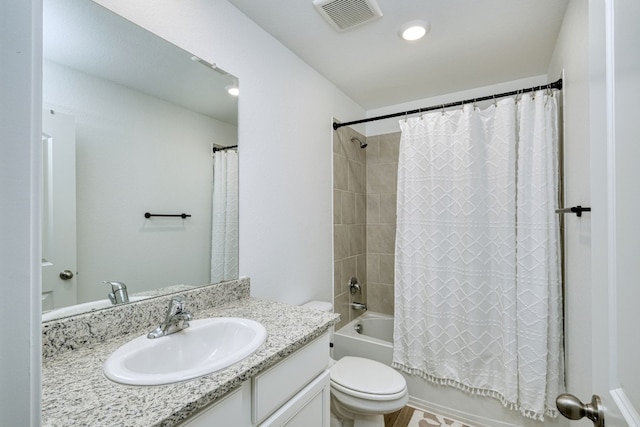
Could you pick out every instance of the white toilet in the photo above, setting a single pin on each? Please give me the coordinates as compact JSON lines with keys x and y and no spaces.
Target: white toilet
{"x":362,"y":390}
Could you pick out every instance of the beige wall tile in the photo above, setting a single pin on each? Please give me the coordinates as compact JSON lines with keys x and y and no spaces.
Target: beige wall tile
{"x":348,"y":207}
{"x":350,"y":215}
{"x":340,"y":242}
{"x":373,"y":150}
{"x":387,"y":269}
{"x":365,"y":208}
{"x":340,"y":172}
{"x":357,"y":242}
{"x":352,"y":148}
{"x":341,"y":306}
{"x":337,"y":277}
{"x":361,"y":268}
{"x":337,"y":145}
{"x":373,"y":208}
{"x":357,"y":177}
{"x":361,"y":208}
{"x":373,"y":267}
{"x":382,"y":178}
{"x":337,"y":207}
{"x":388,"y":208}
{"x":389,"y":147}
{"x":380,"y":298}
{"x":349,"y":270}
{"x":381,"y":238}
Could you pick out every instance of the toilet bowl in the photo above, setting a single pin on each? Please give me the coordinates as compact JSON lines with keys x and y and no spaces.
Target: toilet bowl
{"x":362,"y":390}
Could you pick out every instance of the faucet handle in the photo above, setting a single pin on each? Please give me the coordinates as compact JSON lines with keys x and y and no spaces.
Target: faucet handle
{"x":177,"y":302}
{"x":115,"y":286}
{"x":118,"y":294}
{"x":176,"y":306}
{"x":176,"y":319}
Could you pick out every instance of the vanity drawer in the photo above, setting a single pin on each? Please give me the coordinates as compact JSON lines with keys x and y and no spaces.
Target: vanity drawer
{"x":272,"y":388}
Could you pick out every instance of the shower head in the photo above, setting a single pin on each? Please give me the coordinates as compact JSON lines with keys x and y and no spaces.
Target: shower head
{"x":362,"y":144}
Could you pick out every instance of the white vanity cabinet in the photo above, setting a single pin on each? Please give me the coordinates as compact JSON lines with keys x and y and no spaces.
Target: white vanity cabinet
{"x":228,"y":411}
{"x":308,"y":408}
{"x":292,"y":393}
{"x":294,"y":387}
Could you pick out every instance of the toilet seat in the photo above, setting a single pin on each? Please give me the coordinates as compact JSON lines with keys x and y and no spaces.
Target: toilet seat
{"x":367,"y":379}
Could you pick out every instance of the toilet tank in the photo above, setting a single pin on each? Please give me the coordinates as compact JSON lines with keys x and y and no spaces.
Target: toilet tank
{"x":319,"y":305}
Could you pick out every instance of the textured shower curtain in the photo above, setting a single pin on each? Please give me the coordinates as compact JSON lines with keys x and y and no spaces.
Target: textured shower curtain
{"x":478,"y":280}
{"x":224,"y":222}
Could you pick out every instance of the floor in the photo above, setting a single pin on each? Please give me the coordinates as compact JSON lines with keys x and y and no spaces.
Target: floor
{"x":411,"y":417}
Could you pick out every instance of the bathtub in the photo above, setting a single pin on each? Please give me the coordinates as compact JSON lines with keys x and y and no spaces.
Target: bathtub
{"x":370,"y":336}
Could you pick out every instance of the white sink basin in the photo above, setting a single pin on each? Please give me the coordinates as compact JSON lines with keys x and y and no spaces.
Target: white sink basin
{"x":72,"y":310}
{"x":206,"y":346}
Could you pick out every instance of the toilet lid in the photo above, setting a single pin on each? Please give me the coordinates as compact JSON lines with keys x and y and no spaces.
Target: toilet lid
{"x":366,"y":376}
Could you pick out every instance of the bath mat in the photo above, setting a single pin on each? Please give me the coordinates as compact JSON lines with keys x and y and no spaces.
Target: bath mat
{"x":428,"y":419}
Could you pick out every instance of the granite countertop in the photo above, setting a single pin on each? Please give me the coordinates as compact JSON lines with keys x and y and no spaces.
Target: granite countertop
{"x":76,"y":392}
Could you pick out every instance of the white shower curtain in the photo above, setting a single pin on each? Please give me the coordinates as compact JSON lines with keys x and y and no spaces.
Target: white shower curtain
{"x":477,"y":299}
{"x":224,"y":222}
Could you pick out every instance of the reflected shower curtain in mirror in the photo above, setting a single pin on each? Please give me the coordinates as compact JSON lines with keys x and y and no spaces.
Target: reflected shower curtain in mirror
{"x":477,"y":270}
{"x":224,"y":222}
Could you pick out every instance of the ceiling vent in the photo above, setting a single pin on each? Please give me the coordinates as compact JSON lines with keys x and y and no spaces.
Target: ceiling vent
{"x":344,"y":15}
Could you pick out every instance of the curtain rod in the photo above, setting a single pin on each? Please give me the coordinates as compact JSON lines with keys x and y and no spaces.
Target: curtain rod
{"x":555,"y":85}
{"x":216,"y":149}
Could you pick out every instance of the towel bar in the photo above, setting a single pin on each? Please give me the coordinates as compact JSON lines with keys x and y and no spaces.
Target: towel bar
{"x":575,"y":209}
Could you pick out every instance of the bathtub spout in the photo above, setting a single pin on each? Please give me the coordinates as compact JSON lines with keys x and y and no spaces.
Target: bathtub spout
{"x":358,"y":306}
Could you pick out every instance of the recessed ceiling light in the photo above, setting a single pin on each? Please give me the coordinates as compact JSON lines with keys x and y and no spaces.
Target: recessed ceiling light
{"x":414,"y":30}
{"x":233,"y":90}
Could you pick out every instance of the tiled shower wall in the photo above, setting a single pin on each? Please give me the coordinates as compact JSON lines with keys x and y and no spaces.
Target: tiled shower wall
{"x":349,"y":221}
{"x":364,"y":200}
{"x":382,"y":176}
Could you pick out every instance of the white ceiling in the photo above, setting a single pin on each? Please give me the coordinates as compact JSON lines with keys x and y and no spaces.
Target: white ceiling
{"x":472,"y":43}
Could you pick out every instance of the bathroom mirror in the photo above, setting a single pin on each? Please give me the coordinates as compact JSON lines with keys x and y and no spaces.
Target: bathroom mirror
{"x":144,"y":117}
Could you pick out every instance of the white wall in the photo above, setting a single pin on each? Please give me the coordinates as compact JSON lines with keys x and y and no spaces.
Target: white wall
{"x":135,"y":154}
{"x":20,"y":142}
{"x":285,"y":112}
{"x":571,"y":55}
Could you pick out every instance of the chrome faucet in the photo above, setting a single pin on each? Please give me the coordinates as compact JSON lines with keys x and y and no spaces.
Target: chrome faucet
{"x":354,"y":286}
{"x":358,"y":306}
{"x":176,"y":319}
{"x":118,"y":294}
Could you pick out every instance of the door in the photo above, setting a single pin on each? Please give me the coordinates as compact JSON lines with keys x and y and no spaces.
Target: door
{"x":615,"y":142}
{"x":58,"y":210}
{"x":624,"y":193}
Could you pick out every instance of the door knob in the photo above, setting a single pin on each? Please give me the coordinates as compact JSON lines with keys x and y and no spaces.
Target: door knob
{"x":571,"y":407}
{"x":66,"y":275}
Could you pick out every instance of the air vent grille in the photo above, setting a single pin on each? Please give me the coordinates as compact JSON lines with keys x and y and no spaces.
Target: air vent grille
{"x":343,"y":15}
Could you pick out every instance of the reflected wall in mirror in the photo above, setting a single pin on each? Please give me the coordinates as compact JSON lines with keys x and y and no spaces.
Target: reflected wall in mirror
{"x":144,"y":116}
